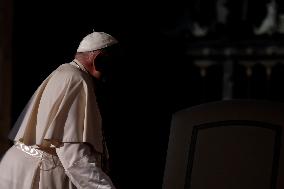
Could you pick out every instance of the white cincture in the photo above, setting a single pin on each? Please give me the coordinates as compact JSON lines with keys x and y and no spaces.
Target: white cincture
{"x":29,"y":150}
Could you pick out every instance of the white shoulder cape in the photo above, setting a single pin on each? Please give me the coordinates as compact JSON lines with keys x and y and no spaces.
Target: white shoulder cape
{"x":63,"y":109}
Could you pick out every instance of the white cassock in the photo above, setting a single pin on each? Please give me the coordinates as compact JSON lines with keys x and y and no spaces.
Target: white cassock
{"x":58,"y":136}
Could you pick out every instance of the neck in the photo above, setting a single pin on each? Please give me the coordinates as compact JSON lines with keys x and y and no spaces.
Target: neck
{"x":81,"y":65}
{"x":89,"y":68}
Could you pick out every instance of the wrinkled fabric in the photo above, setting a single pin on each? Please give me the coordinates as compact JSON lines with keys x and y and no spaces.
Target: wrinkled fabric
{"x":82,"y":167}
{"x":58,"y":136}
{"x":19,"y":170}
{"x":63,"y":109}
{"x":73,"y":166}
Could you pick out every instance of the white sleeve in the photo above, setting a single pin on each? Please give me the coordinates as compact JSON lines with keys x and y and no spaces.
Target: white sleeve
{"x":81,"y":167}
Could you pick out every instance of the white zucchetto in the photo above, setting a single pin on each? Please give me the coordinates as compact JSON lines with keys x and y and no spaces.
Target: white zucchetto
{"x":95,"y":41}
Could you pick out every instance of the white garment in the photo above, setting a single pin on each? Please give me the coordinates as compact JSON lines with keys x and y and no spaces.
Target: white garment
{"x":74,"y":166}
{"x":82,"y":168}
{"x":63,"y":109}
{"x":62,"y":119}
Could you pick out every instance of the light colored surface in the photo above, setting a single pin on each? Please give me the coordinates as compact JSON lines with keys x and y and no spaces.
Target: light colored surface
{"x":95,"y":41}
{"x":63,"y":109}
{"x":233,"y":157}
{"x":184,"y":121}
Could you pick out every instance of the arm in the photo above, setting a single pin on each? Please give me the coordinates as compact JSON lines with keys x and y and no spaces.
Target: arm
{"x":81,"y":167}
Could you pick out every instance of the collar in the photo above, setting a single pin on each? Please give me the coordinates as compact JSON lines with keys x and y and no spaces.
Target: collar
{"x":80,"y":66}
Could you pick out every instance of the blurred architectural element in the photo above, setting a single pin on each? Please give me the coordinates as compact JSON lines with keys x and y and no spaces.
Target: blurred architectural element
{"x":229,"y":18}
{"x":268,"y":26}
{"x":251,"y":68}
{"x":221,"y":11}
{"x":203,"y":65}
{"x":199,"y":31}
{"x":281,"y":23}
{"x":5,"y":71}
{"x":245,"y":39}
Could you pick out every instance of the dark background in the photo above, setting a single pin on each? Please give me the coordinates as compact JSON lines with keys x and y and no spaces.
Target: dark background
{"x":47,"y":33}
{"x":153,"y":78}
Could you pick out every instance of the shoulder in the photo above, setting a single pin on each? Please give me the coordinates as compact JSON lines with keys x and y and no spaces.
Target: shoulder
{"x":68,"y":72}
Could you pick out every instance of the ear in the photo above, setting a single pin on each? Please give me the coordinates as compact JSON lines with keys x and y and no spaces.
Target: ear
{"x":92,"y":57}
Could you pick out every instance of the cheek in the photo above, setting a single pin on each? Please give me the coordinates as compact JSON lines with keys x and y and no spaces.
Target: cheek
{"x":96,"y":73}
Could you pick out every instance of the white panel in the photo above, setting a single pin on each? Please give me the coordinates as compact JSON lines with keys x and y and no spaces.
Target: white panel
{"x":233,"y":157}
{"x":226,"y":157}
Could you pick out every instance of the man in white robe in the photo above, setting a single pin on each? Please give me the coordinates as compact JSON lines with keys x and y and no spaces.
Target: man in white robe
{"x":58,"y":137}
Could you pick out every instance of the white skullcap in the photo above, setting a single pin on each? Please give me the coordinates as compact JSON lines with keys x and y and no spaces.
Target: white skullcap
{"x":95,"y":41}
